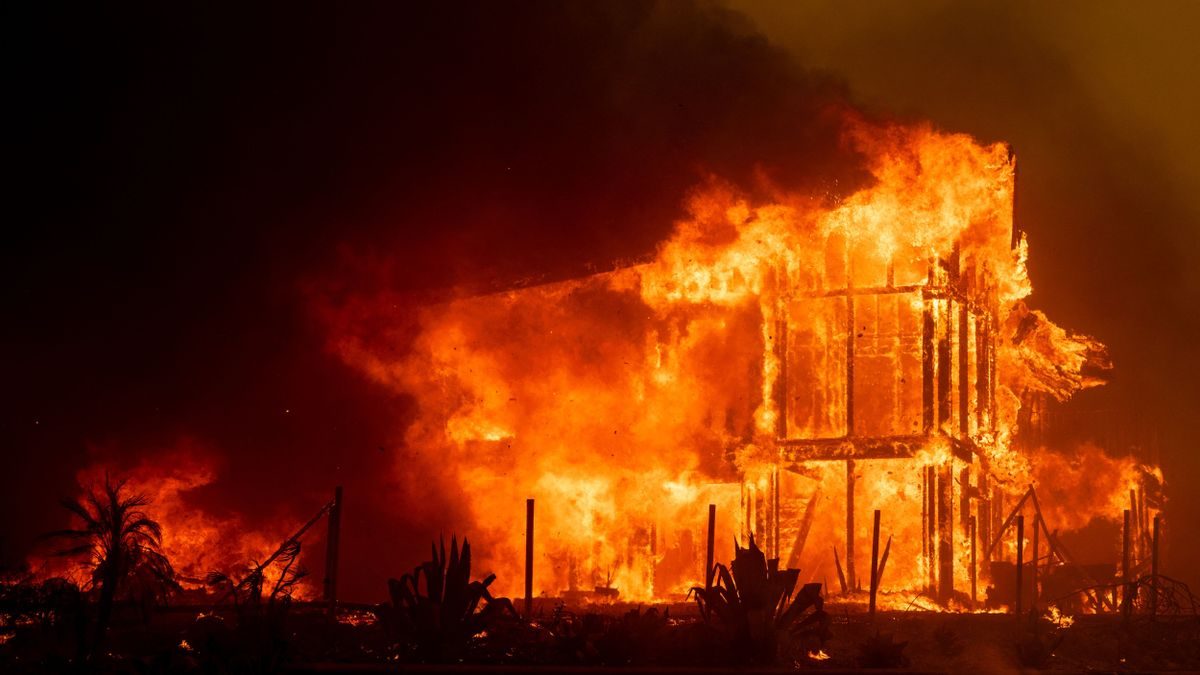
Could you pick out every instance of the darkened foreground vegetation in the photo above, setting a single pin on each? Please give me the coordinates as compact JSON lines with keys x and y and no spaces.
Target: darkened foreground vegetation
{"x":43,"y":624}
{"x":130,"y":616}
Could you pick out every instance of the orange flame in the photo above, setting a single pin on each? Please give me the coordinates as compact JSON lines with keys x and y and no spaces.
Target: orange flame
{"x":196,"y":541}
{"x":625,"y":402}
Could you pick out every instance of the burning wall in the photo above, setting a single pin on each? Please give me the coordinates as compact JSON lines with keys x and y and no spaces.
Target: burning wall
{"x":766,"y":334}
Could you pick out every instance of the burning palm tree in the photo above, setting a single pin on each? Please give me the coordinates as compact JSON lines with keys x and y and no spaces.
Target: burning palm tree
{"x":121,"y":545}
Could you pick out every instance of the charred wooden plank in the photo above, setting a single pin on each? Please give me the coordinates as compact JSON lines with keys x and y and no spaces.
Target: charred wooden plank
{"x":810,"y":512}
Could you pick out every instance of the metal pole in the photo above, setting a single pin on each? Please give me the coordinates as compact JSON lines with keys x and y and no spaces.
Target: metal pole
{"x":528,"y":558}
{"x":708,"y":557}
{"x":331,"y":549}
{"x":874,"y":563}
{"x":1020,"y":560}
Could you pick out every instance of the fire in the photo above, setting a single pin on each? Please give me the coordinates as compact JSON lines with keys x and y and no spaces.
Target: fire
{"x":1058,"y":619}
{"x":767,"y":342}
{"x":196,"y":541}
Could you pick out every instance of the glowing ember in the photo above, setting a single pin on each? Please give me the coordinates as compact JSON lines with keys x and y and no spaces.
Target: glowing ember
{"x":1059,"y":619}
{"x":818,"y":655}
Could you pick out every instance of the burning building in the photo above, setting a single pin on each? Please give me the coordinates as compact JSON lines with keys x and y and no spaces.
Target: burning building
{"x":799,"y":361}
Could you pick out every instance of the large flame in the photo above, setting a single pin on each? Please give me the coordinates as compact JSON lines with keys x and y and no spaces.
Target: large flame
{"x":627,"y":401}
{"x":197,"y":541}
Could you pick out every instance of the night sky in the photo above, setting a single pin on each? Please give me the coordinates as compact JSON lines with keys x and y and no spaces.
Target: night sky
{"x":183,"y":182}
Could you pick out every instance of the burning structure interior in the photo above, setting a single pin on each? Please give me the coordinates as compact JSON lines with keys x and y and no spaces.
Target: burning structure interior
{"x":799,"y":362}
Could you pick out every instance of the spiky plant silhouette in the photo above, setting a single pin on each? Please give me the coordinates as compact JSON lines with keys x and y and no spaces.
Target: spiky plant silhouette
{"x":752,"y":603}
{"x":119,"y":542}
{"x":442,"y":615}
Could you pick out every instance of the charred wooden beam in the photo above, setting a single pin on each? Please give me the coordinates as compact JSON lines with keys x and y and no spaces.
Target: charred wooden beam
{"x":775,"y":513}
{"x":924,"y":516}
{"x":851,"y":330}
{"x":850,"y":523}
{"x":985,"y":517}
{"x":964,"y":501}
{"x":331,"y":549}
{"x":930,"y":290}
{"x":781,"y":382}
{"x":529,"y":558}
{"x":982,"y":344}
{"x":797,"y":451}
{"x":974,"y":563}
{"x":1154,"y":570}
{"x":1020,"y":561}
{"x":1034,"y":559}
{"x":810,"y":512}
{"x":1126,"y":571}
{"x":1008,"y":521}
{"x":943,"y":369}
{"x":927,"y":360}
{"x":964,"y":381}
{"x":997,"y":508}
{"x":887,"y":549}
{"x":874,"y":563}
{"x":931,"y":527}
{"x":945,"y":515}
{"x":708,"y":556}
{"x":841,"y":576}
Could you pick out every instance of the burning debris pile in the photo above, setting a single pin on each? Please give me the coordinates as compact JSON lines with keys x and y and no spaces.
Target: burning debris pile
{"x":796,"y":361}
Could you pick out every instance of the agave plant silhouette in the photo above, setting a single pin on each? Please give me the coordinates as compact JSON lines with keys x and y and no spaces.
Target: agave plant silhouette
{"x":753,"y":602}
{"x":119,"y":542}
{"x":444,"y":617}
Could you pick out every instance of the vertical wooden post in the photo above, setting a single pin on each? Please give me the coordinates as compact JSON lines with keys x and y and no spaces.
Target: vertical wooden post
{"x":985,"y":518}
{"x":944,"y":381}
{"x":874,"y":563}
{"x":528,"y":559}
{"x":781,"y":382}
{"x":1020,"y":561}
{"x":1126,"y":569}
{"x":997,"y":511}
{"x":708,"y":557}
{"x":1154,"y":570}
{"x":928,"y":326}
{"x":850,"y":330}
{"x":945,"y":550}
{"x":332,"y":543}
{"x":850,"y":525}
{"x":974,"y":567}
{"x":775,"y":516}
{"x":931,"y":528}
{"x":964,"y":498}
{"x":924,"y":517}
{"x":1034,"y":559}
{"x":1137,"y":527}
{"x":964,"y":380}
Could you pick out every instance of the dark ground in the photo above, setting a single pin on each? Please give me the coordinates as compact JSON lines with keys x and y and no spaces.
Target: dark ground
{"x":182,"y":639}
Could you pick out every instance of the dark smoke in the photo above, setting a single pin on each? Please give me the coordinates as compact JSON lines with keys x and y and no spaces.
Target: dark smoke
{"x":193,"y":181}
